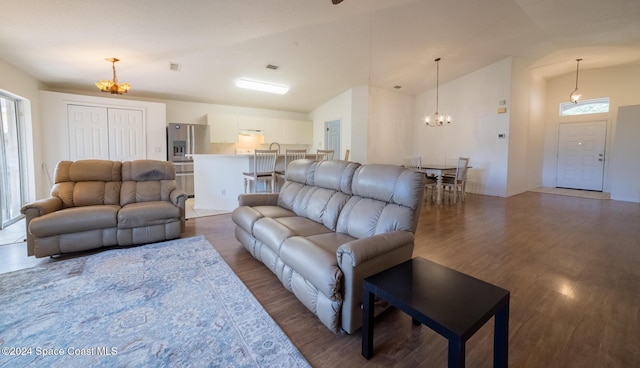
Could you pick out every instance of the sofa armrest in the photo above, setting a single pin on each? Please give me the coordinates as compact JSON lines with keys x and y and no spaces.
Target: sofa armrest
{"x":362,"y":250}
{"x":362,"y":258}
{"x":37,"y":209}
{"x":258,"y":199}
{"x":42,"y":207}
{"x":178,"y":198}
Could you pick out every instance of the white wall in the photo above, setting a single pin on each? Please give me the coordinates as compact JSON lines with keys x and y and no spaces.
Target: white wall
{"x":526,"y":127}
{"x":626,"y":167}
{"x":55,"y":134}
{"x":472,"y":101}
{"x":619,"y":83}
{"x":390,"y":115}
{"x":338,"y":108}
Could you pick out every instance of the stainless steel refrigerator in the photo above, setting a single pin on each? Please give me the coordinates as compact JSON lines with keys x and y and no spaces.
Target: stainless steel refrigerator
{"x":184,"y":140}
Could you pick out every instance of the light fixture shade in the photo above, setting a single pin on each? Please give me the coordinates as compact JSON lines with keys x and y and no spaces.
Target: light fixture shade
{"x":112,"y":86}
{"x":262,"y":86}
{"x":437,"y":119}
{"x":574,"y":97}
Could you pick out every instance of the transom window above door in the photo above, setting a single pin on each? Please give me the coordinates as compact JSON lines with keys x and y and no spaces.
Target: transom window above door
{"x":595,"y":106}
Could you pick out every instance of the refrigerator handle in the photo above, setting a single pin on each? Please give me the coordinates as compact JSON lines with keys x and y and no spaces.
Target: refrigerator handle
{"x":189,"y":138}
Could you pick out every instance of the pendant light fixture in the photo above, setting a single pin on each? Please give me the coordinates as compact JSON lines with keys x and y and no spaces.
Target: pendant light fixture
{"x":437,"y":119}
{"x":112,"y":86}
{"x":575,"y":97}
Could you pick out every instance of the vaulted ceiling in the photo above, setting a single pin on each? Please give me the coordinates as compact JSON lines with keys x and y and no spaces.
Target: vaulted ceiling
{"x":321,"y":49}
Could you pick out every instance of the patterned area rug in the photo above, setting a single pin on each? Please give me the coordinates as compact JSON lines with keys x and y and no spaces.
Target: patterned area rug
{"x":170,"y":304}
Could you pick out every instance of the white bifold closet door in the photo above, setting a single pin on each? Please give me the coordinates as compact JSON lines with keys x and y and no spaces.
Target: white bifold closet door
{"x":105,"y":133}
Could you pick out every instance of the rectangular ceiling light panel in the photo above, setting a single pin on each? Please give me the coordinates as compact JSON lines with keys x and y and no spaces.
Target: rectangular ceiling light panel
{"x":262,"y":86}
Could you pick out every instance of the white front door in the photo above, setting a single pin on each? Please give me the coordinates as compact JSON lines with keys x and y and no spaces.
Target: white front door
{"x":581,"y":148}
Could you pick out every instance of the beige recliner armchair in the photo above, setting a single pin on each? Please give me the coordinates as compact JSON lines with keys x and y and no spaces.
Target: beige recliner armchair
{"x":100,"y":203}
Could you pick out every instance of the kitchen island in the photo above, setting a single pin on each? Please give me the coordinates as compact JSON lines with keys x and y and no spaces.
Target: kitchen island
{"x":218,"y":179}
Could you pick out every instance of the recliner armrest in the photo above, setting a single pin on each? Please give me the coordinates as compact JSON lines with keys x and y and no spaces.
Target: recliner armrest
{"x":258,"y":199}
{"x":365,"y":249}
{"x":179,"y":197}
{"x":37,"y":209}
{"x":42,"y":207}
{"x":362,"y":258}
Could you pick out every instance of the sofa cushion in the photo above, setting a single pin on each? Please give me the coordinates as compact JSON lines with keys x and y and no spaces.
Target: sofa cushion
{"x":385,"y":198}
{"x":87,"y":182}
{"x":88,"y":170}
{"x":315,"y":264}
{"x":272,"y":233}
{"x":76,"y":219}
{"x":147,"y":180}
{"x":303,"y":226}
{"x":147,"y":214}
{"x":318,"y":190}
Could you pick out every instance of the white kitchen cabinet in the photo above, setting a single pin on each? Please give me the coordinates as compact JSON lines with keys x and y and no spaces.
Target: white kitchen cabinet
{"x":297,"y":132}
{"x":223,"y":128}
{"x":253,"y":123}
{"x":273,"y":130}
{"x":305,"y":132}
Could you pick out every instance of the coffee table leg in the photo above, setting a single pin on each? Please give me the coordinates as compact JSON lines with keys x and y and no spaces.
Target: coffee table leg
{"x":501,"y":338}
{"x":367,"y":324}
{"x":456,"y":353}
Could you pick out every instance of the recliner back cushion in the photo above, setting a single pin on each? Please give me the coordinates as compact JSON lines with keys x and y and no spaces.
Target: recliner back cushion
{"x":147,"y":180}
{"x":318,"y":190}
{"x":87,"y":182}
{"x":385,"y":198}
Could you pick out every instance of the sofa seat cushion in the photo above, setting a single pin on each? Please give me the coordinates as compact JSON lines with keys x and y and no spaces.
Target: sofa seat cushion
{"x":302,"y":226}
{"x":147,"y":214}
{"x":246,"y":217}
{"x":75,"y":220}
{"x":330,"y":242}
{"x":274,"y":211}
{"x":315,"y":264}
{"x":274,"y":231}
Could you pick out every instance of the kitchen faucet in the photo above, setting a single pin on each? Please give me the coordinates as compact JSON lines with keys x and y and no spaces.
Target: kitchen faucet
{"x":276,"y":143}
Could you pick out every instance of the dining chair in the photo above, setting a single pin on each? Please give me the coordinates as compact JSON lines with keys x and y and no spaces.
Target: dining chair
{"x":414,"y":163}
{"x":451,"y":161}
{"x":322,"y":155}
{"x":346,"y":155}
{"x":264,"y":170}
{"x":459,"y":181}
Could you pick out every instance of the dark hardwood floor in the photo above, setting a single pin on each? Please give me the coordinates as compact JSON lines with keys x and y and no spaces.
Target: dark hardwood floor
{"x":572,"y":266}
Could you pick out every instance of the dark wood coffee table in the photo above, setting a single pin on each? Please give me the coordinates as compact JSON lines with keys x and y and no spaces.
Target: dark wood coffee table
{"x":451,"y":303}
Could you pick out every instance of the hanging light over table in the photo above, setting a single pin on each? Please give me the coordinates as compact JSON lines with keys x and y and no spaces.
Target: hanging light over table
{"x":575,"y":97}
{"x":437,"y":119}
{"x":112,"y":85}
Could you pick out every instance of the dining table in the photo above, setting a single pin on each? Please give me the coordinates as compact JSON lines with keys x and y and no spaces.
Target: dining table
{"x":438,"y":171}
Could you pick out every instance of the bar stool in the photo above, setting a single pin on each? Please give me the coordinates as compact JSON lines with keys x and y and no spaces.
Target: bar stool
{"x":264,"y":169}
{"x":322,"y":155}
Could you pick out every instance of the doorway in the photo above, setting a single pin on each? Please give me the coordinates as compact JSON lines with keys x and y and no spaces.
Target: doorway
{"x":332,"y":137}
{"x":581,"y":155}
{"x":12,"y":166}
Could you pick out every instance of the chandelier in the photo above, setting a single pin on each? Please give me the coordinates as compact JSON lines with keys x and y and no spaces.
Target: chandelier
{"x":575,"y":97}
{"x":438,"y":119}
{"x":112,"y":85}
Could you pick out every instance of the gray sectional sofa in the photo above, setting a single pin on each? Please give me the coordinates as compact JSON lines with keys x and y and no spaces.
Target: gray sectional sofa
{"x":332,"y":224}
{"x":100,"y":203}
